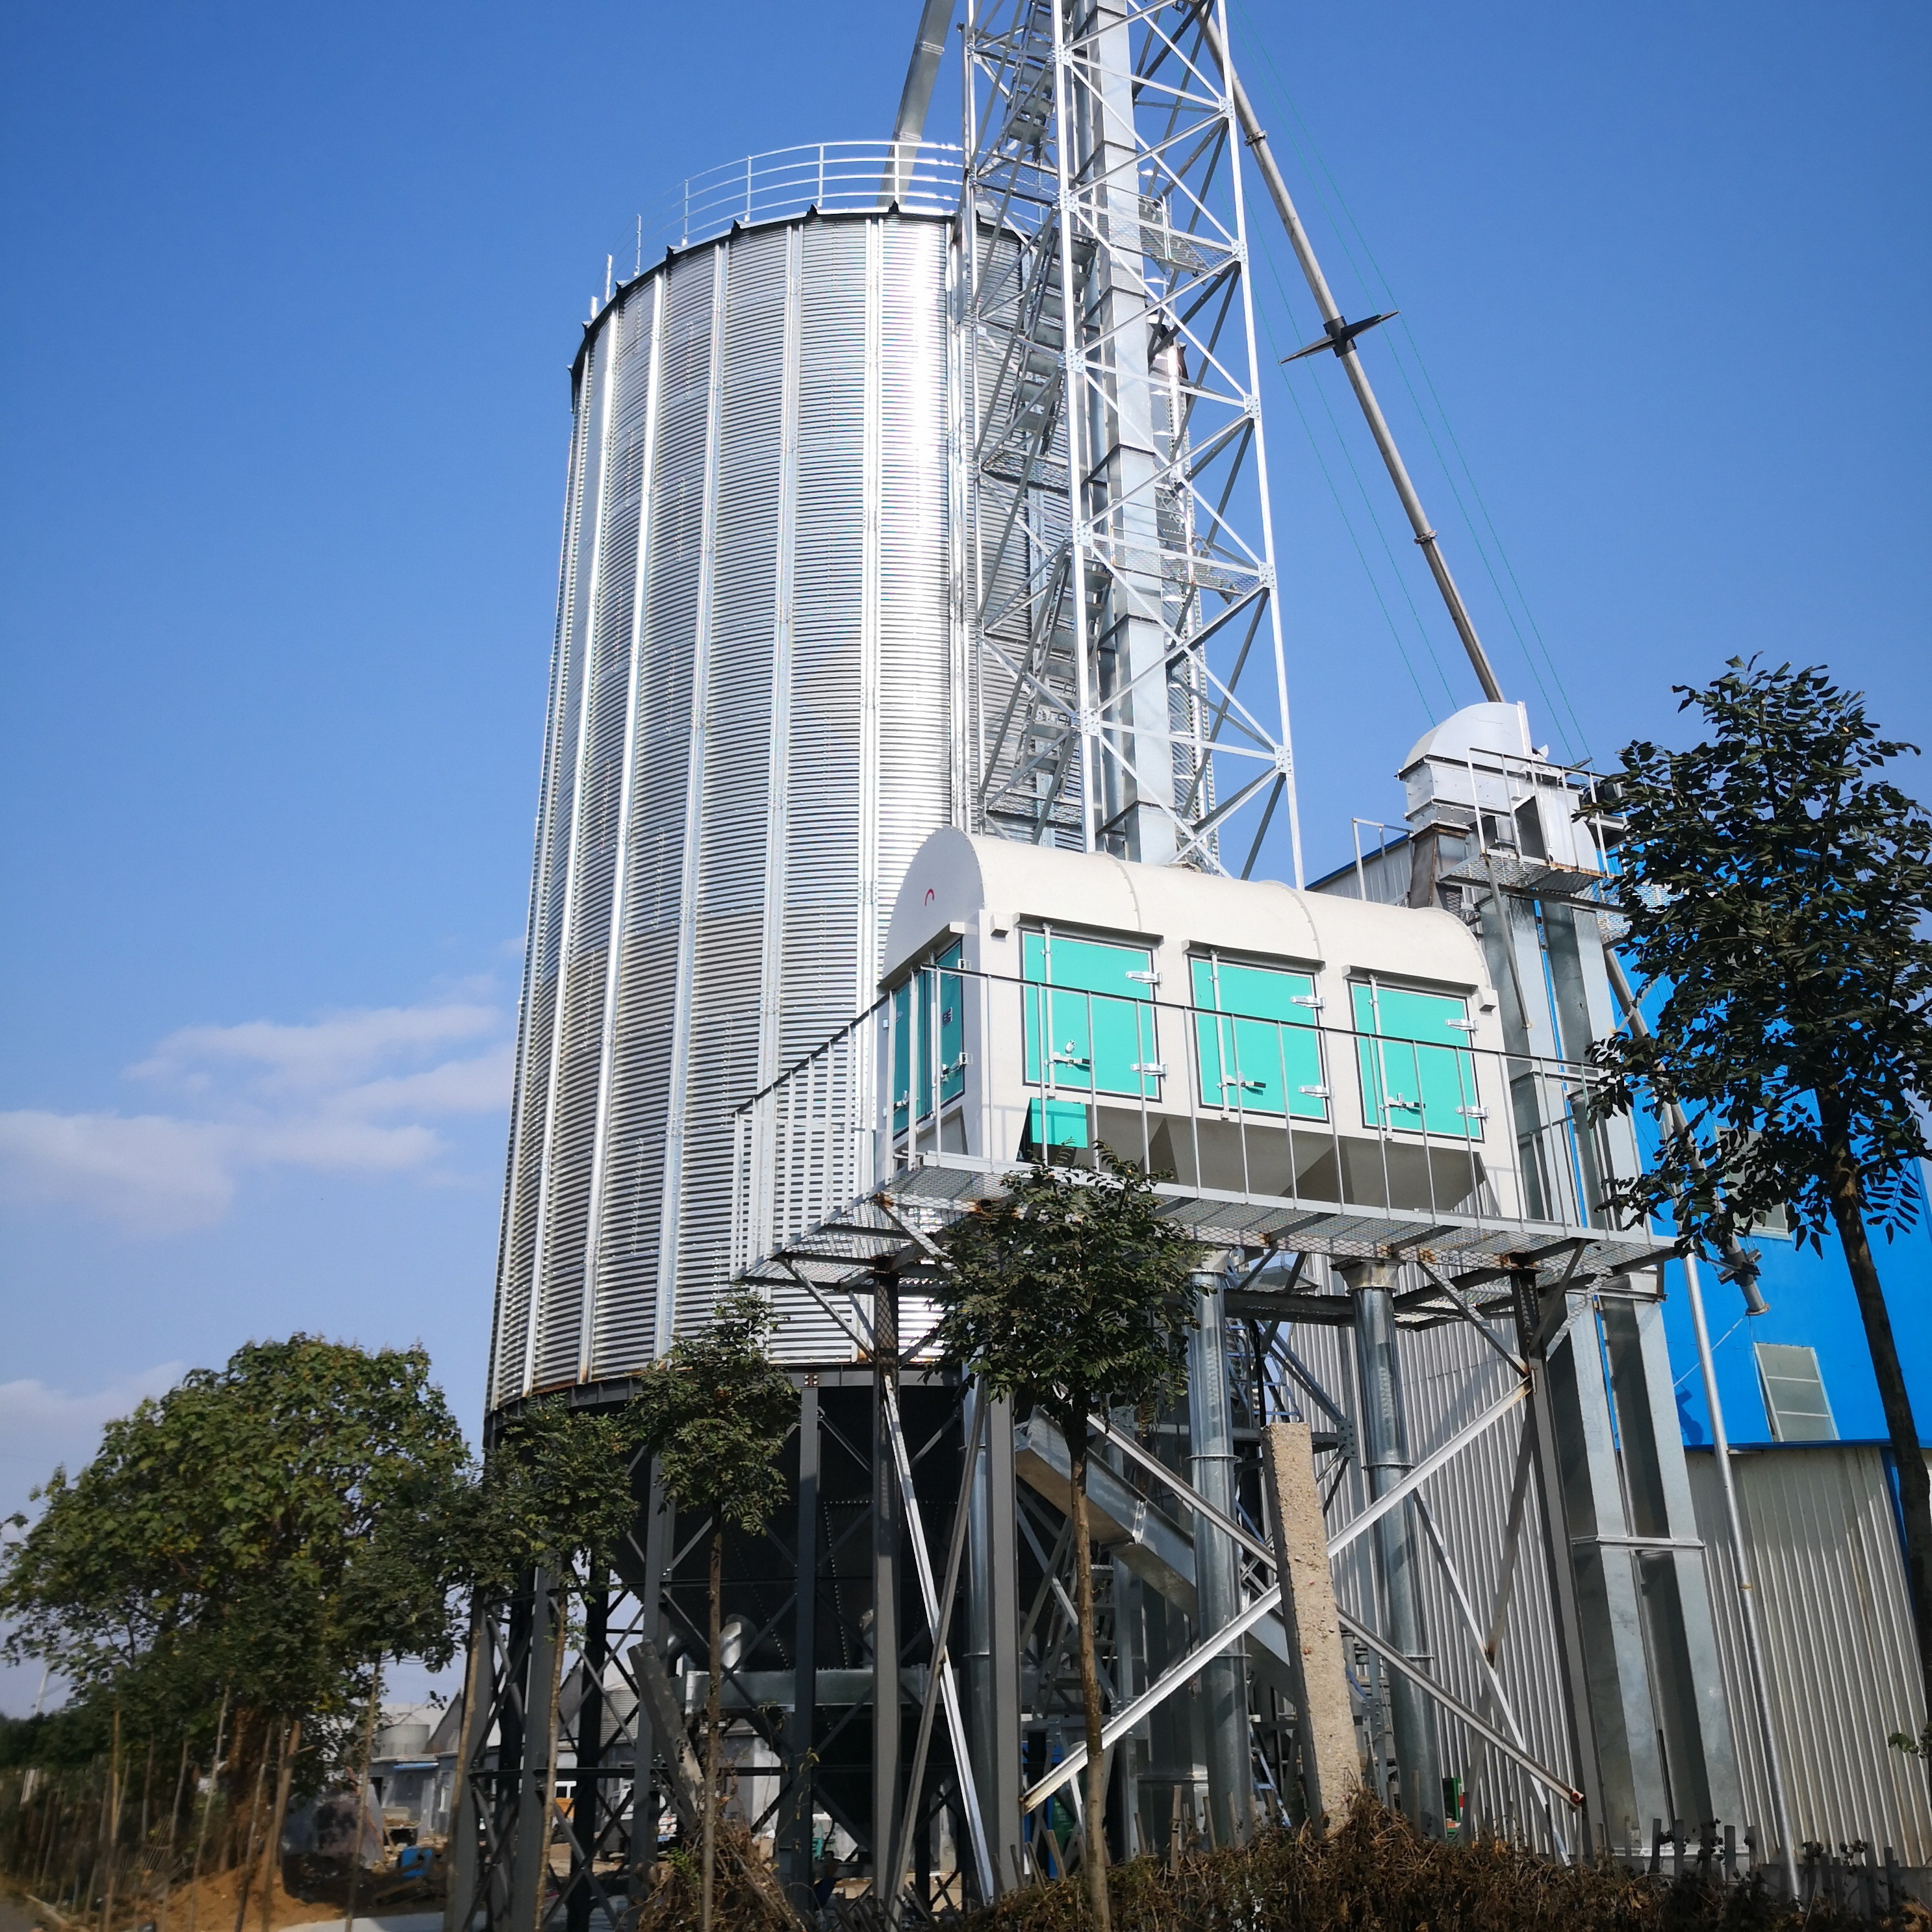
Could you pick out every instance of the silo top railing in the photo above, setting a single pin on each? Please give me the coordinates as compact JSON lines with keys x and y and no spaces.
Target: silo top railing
{"x":833,"y":178}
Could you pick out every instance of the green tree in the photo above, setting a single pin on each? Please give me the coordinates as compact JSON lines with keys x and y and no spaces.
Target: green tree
{"x":1776,"y":888}
{"x":556,"y":1489}
{"x":266,"y":1530}
{"x":1072,"y":1295}
{"x":715,"y":1410}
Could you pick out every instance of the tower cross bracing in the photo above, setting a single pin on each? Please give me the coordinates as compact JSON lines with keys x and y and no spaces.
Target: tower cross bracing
{"x":1129,"y":686}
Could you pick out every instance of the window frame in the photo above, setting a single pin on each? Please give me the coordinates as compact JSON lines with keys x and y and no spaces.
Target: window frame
{"x":1774,"y":1415}
{"x":1219,"y":1029}
{"x":925,"y":987}
{"x":1045,"y":1002}
{"x":1380,"y":1115}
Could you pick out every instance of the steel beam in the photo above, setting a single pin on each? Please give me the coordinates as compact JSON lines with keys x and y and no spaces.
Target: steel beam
{"x":886,"y":1539}
{"x":992,"y":1624}
{"x":795,"y":1870}
{"x":1384,"y":1457}
{"x":1217,"y":1570}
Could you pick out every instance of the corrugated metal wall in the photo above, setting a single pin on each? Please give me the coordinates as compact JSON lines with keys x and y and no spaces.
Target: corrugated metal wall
{"x":1839,"y":1652}
{"x":750,"y":734}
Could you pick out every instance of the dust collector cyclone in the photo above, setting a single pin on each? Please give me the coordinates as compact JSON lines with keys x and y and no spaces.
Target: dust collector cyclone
{"x":751,"y":731}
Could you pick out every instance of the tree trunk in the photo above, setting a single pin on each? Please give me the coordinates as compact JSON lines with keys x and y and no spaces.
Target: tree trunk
{"x":207,"y":1804}
{"x":278,"y":1811}
{"x":254,"y":1821}
{"x":1094,"y":1836}
{"x":174,"y":1827}
{"x":708,"y":1867}
{"x":1914,"y":1487}
{"x":364,"y":1752}
{"x":110,"y":1826}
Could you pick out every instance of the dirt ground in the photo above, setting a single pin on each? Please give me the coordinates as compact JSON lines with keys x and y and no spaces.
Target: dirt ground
{"x":211,"y":1909}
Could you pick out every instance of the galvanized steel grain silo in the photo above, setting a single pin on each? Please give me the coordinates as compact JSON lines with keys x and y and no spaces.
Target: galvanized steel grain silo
{"x":754,"y":581}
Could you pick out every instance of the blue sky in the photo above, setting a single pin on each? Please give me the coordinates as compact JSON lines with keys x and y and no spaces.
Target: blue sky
{"x":291,"y":293}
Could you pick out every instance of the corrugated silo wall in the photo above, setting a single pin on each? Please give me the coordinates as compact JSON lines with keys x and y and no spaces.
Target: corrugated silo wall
{"x":749,"y":735}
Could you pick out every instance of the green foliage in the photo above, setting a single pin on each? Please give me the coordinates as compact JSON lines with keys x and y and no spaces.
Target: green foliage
{"x":1777,"y":888}
{"x":1071,"y":1292}
{"x":557,"y":1484}
{"x":269,"y":1527}
{"x":65,"y":1739}
{"x":715,"y":1410}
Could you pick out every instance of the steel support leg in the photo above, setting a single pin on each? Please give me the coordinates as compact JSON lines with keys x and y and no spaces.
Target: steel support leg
{"x":1385,"y":1455}
{"x":658,"y":1525}
{"x":885,"y":1528}
{"x":796,"y":1872}
{"x":530,"y":1855}
{"x":467,"y":1798}
{"x":992,"y":1629}
{"x":1533,"y":1325}
{"x":1217,"y":1573}
{"x":587,"y":1802}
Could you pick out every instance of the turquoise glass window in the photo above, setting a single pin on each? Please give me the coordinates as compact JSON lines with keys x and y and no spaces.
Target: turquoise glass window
{"x":1056,"y":1123}
{"x":1257,"y":1049}
{"x":1088,"y":1015}
{"x":929,"y":1037}
{"x":1418,"y":1074}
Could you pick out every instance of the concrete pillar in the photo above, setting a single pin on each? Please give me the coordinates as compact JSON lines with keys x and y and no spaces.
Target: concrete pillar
{"x":1331,"y":1764}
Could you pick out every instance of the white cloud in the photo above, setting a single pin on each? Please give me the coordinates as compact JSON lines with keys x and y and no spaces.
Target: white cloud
{"x":326,"y":1053}
{"x":149,"y":1171}
{"x":478,"y":1086}
{"x":42,"y":1427}
{"x":350,"y":1093}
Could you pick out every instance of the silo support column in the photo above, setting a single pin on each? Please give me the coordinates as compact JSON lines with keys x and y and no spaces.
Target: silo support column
{"x":992,"y":1627}
{"x":530,"y":1855}
{"x":658,"y":1522}
{"x":466,"y":1798}
{"x":590,"y":1803}
{"x":1384,"y":1455}
{"x":1217,"y":1574}
{"x":797,"y":1873}
{"x":885,"y":1584}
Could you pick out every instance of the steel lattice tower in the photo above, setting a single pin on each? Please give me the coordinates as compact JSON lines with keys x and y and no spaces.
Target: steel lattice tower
{"x":1129,"y":687}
